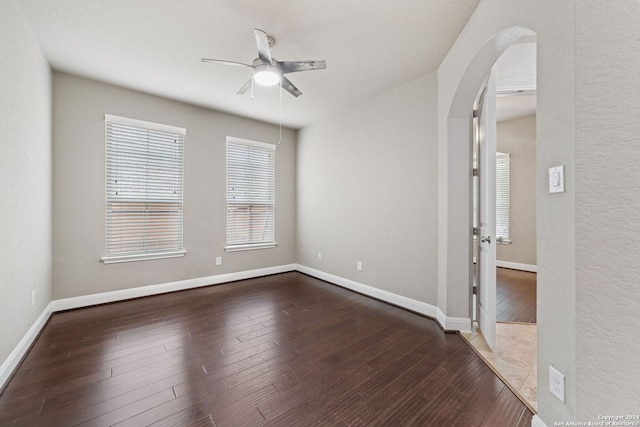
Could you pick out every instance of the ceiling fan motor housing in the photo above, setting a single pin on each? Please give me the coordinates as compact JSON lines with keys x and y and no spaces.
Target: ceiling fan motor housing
{"x":267,"y":71}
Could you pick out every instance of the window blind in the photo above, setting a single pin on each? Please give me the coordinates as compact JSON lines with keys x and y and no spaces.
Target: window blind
{"x":502,"y":196}
{"x":250,"y":194}
{"x":144,"y":190}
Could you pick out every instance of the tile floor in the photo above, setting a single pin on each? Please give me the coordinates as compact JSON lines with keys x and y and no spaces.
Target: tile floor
{"x":514,"y":359}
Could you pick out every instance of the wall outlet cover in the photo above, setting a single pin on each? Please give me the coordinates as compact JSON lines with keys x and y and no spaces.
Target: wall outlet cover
{"x":556,"y":383}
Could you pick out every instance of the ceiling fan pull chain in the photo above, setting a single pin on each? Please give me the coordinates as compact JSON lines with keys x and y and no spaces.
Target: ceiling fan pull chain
{"x":280,"y":91}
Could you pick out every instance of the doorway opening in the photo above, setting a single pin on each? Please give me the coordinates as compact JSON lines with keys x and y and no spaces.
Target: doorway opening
{"x":503,"y":305}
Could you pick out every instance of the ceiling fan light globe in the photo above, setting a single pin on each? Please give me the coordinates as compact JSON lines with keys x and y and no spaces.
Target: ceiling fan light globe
{"x":266,"y":75}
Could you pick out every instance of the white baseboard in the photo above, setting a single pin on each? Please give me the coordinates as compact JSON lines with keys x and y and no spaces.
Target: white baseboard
{"x":462,"y":324}
{"x":517,"y":266}
{"x":12,"y":361}
{"x":20,"y":350}
{"x":447,"y":323}
{"x":536,"y":421}
{"x":143,"y":291}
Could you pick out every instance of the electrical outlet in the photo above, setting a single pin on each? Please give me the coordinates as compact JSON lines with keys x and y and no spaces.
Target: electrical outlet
{"x":218,"y":260}
{"x":33,"y":298}
{"x":556,"y":383}
{"x":319,"y":255}
{"x":359,"y":265}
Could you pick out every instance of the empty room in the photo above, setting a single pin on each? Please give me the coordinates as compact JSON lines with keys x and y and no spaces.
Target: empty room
{"x":262,"y":212}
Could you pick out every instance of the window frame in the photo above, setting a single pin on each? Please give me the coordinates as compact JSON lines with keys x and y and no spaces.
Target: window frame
{"x":502,"y":240}
{"x":144,"y":195}
{"x":231,"y":243}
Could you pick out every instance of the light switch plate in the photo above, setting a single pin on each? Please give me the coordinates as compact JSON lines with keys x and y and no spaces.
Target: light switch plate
{"x":556,"y":179}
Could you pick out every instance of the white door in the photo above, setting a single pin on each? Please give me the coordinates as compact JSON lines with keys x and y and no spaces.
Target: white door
{"x":486,"y":212}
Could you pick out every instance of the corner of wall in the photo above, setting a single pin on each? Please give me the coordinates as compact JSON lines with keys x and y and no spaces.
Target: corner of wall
{"x":25,"y":180}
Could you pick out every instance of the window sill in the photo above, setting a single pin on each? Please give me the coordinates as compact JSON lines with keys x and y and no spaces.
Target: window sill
{"x":249,"y":247}
{"x":141,"y":257}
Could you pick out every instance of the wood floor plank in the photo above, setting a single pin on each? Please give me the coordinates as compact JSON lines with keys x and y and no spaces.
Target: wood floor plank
{"x":515,"y":296}
{"x":135,"y":407}
{"x":441,"y":411}
{"x":184,"y":418}
{"x":507,"y":410}
{"x":164,"y":414}
{"x":279,"y":350}
{"x":109,"y":393}
{"x":14,"y":398}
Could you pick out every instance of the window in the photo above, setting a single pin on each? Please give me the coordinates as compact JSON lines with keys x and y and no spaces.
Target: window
{"x":502,"y":197}
{"x":250,"y":195}
{"x":144,"y":174}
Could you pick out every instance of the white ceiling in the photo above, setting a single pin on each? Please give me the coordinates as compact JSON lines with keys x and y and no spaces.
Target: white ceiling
{"x":515,"y":73}
{"x":515,"y":107}
{"x":155,"y":46}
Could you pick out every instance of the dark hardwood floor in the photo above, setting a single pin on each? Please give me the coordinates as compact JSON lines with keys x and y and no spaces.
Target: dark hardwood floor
{"x":283,"y":350}
{"x":515,"y":296}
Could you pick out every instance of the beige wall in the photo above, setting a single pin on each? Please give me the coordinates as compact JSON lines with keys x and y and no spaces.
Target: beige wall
{"x":367,"y":192}
{"x":25,"y":178}
{"x":518,"y":138}
{"x":78,"y":188}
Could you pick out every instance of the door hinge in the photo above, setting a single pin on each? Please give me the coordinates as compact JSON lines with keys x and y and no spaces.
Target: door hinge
{"x":474,"y":171}
{"x":475,"y":290}
{"x":475,"y":113}
{"x":475,"y":231}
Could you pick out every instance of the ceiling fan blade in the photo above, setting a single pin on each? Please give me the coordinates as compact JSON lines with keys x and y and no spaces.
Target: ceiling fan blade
{"x":295,"y":66}
{"x":264,"y":52}
{"x":289,"y":87}
{"x":245,"y":87}
{"x":221,"y":61}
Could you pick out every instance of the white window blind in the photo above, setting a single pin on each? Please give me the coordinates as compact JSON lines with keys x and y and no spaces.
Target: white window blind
{"x":502,"y":197}
{"x":144,"y":184}
{"x":250,"y":194}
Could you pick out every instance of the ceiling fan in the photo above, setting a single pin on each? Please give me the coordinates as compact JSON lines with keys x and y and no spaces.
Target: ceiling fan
{"x":267,"y":71}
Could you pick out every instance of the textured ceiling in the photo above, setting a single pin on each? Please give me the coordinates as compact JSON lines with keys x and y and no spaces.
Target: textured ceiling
{"x":155,"y":46}
{"x":515,"y":71}
{"x":516,"y":67}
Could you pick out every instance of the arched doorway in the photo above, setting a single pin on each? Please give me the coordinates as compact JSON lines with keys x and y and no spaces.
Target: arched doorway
{"x":460,"y":131}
